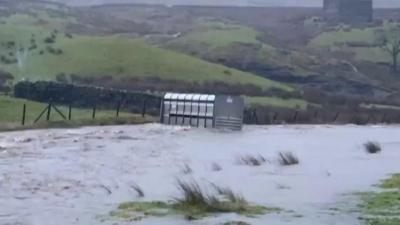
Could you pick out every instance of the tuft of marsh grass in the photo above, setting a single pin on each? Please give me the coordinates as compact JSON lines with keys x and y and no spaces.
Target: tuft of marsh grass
{"x":216,"y":167}
{"x":372,"y":147}
{"x":287,"y":159}
{"x":392,"y":182}
{"x":192,"y":194}
{"x":186,"y":169}
{"x":252,"y":160}
{"x":197,"y":203}
{"x":194,"y":203}
{"x":228,"y":194}
{"x":139,"y":191}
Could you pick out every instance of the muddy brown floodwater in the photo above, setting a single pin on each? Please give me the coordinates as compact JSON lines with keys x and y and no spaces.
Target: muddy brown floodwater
{"x":77,"y":176}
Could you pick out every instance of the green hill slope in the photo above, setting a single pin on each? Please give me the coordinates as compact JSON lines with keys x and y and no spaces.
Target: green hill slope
{"x":31,"y":48}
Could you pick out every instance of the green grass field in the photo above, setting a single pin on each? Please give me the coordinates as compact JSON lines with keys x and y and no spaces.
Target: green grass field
{"x":337,"y":40}
{"x":109,"y":55}
{"x":366,"y":35}
{"x":11,"y":112}
{"x":219,"y":40}
{"x":222,"y":35}
{"x":276,"y":102}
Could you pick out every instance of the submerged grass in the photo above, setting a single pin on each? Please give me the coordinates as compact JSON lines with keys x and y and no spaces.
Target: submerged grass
{"x":383,"y":207}
{"x":193,"y":203}
{"x":79,"y":123}
{"x":383,"y":221}
{"x":392,"y":182}
{"x":385,"y":203}
{"x":216,"y":167}
{"x":252,"y":160}
{"x":139,"y":191}
{"x":372,"y":147}
{"x":288,"y":159}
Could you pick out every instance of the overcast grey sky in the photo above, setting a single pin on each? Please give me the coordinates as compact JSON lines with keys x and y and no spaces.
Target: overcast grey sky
{"x":308,"y":3}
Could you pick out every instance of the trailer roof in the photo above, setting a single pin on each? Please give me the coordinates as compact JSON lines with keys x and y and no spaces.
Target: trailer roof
{"x":189,"y":97}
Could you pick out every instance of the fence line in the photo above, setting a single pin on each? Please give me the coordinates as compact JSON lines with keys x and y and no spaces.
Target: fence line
{"x":51,"y":108}
{"x":270,"y":116}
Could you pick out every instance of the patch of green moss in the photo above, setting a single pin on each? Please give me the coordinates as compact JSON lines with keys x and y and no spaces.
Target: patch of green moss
{"x":201,"y":211}
{"x":141,"y":210}
{"x":392,"y":182}
{"x":298,"y":216}
{"x":382,"y":208}
{"x":382,"y":204}
{"x":383,"y":221}
{"x":236,"y":223}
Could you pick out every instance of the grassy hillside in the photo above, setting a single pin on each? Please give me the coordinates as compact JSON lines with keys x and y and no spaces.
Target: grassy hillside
{"x":347,"y":39}
{"x":237,"y":45}
{"x":277,"y":102}
{"x":32,"y":48}
{"x":340,"y":36}
{"x":218,"y":34}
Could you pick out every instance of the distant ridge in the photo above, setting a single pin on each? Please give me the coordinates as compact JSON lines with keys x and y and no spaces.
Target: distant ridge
{"x":272,"y":3}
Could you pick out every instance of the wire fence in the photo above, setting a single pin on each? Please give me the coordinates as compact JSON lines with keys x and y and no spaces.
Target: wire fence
{"x":321,"y":116}
{"x":52,"y":112}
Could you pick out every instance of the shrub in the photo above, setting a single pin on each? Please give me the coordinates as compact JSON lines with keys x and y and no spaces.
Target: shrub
{"x":372,"y":147}
{"x":33,"y":47}
{"x":68,"y":35}
{"x":6,"y":60}
{"x":54,"y":51}
{"x":251,"y":160}
{"x":227,"y":72}
{"x":49,"y":40}
{"x":288,"y":159}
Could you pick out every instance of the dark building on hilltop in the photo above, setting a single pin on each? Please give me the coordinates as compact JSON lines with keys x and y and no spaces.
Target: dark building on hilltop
{"x":349,"y":11}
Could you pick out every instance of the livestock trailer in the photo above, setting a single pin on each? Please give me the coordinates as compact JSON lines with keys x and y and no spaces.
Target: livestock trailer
{"x":203,"y":110}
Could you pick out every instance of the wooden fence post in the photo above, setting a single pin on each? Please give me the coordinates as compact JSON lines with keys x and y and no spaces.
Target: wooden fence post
{"x":368,"y":119}
{"x":23,"y":115}
{"x":295,"y":116}
{"x":275,"y":117}
{"x":255,"y":115}
{"x":315,"y":114}
{"x":48,"y":112}
{"x":336,"y":116}
{"x":384,"y":118}
{"x":69,"y":112}
{"x":144,"y":108}
{"x":118,"y":108}
{"x":94,"y":112}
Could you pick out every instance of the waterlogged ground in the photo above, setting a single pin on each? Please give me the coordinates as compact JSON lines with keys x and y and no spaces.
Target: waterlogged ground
{"x":78,"y":176}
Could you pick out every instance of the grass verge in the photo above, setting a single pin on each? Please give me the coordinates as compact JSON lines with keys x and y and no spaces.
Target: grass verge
{"x":77,"y":123}
{"x":11,"y":115}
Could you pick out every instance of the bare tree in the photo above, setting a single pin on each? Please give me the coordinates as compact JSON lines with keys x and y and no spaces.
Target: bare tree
{"x":390,"y":39}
